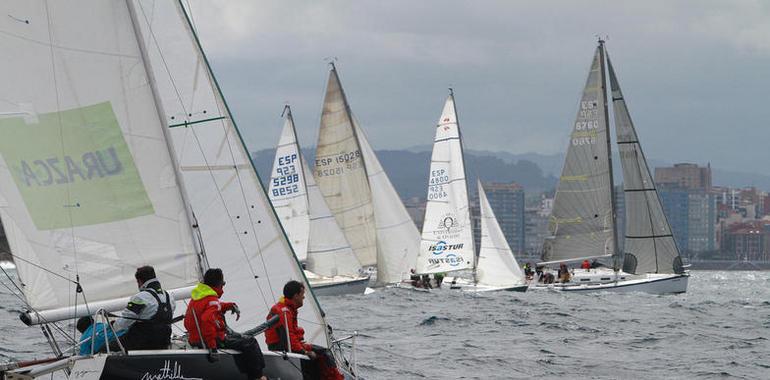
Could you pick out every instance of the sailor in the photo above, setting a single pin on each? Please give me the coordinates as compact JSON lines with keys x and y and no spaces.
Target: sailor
{"x":323,"y":365}
{"x":206,"y":326}
{"x":586,"y":265}
{"x":94,"y":331}
{"x":145,"y":323}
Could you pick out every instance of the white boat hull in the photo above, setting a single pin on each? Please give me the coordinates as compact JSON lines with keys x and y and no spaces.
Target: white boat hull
{"x":337,"y":286}
{"x":652,"y":283}
{"x":468,"y":286}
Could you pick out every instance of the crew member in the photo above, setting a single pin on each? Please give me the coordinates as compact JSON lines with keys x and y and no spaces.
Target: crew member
{"x":205,"y":316}
{"x":145,"y":323}
{"x":586,"y":265}
{"x":323,"y":365}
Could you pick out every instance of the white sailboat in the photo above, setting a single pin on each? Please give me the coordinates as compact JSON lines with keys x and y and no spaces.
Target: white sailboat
{"x":583,"y":222}
{"x":118,"y":150}
{"x":496,"y":267}
{"x":359,"y":193}
{"x":331,"y":266}
{"x":447,"y":233}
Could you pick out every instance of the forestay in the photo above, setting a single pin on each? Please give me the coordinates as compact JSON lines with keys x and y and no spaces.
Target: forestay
{"x":236,"y":221}
{"x":398,"y":240}
{"x":650,"y":245}
{"x":447,"y":233}
{"x":341,"y":174}
{"x":287,"y":190}
{"x":581,"y":223}
{"x":496,"y":264}
{"x":87,"y":185}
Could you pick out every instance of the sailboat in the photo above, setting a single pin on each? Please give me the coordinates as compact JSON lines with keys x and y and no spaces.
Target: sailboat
{"x":496,"y":267}
{"x":583,"y":222}
{"x":359,"y":193}
{"x":118,"y":150}
{"x":331,"y":266}
{"x":447,"y":233}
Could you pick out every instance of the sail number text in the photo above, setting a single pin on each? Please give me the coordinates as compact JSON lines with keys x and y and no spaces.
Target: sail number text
{"x":438,"y":178}
{"x":337,"y":165}
{"x":286,"y":180}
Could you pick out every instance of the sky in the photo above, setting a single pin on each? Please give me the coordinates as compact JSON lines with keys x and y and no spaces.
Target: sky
{"x":695,"y":74}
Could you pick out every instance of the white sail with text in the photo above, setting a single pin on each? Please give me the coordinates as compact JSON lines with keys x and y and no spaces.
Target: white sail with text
{"x":88,"y":185}
{"x":447,"y":233}
{"x":341,"y":174}
{"x":287,"y":189}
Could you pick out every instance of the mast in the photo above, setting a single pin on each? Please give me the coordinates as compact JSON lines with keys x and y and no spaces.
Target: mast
{"x":197,"y":238}
{"x":613,"y":204}
{"x":465,"y":175}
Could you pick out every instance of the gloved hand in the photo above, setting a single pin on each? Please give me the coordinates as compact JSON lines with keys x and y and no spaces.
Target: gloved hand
{"x":235,"y":310}
{"x":213,"y":355}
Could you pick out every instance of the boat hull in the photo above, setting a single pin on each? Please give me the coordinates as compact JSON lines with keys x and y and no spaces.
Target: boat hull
{"x":169,"y":364}
{"x":464,"y":285}
{"x":653,"y":284}
{"x":340,"y":287}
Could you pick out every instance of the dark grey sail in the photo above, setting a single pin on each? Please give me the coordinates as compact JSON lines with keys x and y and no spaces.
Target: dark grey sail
{"x":650,"y":246}
{"x":582,"y":221}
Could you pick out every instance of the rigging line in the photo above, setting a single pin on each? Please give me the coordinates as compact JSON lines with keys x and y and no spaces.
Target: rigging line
{"x":41,"y":267}
{"x":26,"y":304}
{"x":197,"y":140}
{"x":68,"y":187}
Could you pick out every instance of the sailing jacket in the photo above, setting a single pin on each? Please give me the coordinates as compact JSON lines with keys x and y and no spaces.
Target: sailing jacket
{"x":275,"y":337}
{"x":208,"y":311}
{"x":143,"y":306}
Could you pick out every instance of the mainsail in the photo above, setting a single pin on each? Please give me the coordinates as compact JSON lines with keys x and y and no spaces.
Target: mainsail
{"x":235,"y":220}
{"x":496,"y":265}
{"x":303,"y":211}
{"x":398,"y":240}
{"x":287,"y":189}
{"x":87,"y":185}
{"x":582,"y":222}
{"x":447,"y":233}
{"x":341,"y":174}
{"x":650,"y":245}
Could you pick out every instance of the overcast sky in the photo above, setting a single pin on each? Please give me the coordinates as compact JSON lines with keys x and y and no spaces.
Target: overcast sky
{"x":695,"y":74}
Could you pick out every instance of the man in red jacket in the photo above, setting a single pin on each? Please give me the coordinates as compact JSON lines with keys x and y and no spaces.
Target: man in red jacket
{"x":323,"y":366}
{"x":206,"y":326}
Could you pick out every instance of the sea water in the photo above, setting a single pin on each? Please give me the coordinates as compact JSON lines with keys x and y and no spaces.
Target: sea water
{"x":719,"y":329}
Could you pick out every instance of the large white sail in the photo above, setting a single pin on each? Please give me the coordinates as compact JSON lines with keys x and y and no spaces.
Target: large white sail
{"x":496,"y":264}
{"x":447,"y":233}
{"x":650,"y":245}
{"x":329,"y":253}
{"x":341,"y":174}
{"x":582,"y":224}
{"x":237,"y":224}
{"x":287,"y":190}
{"x":398,"y":240}
{"x":87,"y":184}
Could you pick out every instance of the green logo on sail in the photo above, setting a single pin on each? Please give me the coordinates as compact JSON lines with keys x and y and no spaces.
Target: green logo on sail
{"x":73,"y":168}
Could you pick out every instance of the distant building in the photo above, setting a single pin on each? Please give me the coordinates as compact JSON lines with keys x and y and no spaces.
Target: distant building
{"x":684,"y":176}
{"x":507,"y":201}
{"x":415,"y":206}
{"x":535,"y":231}
{"x":692,"y":214}
{"x":748,"y":240}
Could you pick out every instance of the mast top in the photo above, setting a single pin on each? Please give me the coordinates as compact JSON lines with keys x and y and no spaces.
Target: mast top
{"x":286,"y":109}
{"x":451,"y":92}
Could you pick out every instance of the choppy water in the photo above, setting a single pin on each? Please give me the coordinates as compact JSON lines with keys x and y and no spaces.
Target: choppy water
{"x":719,"y":329}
